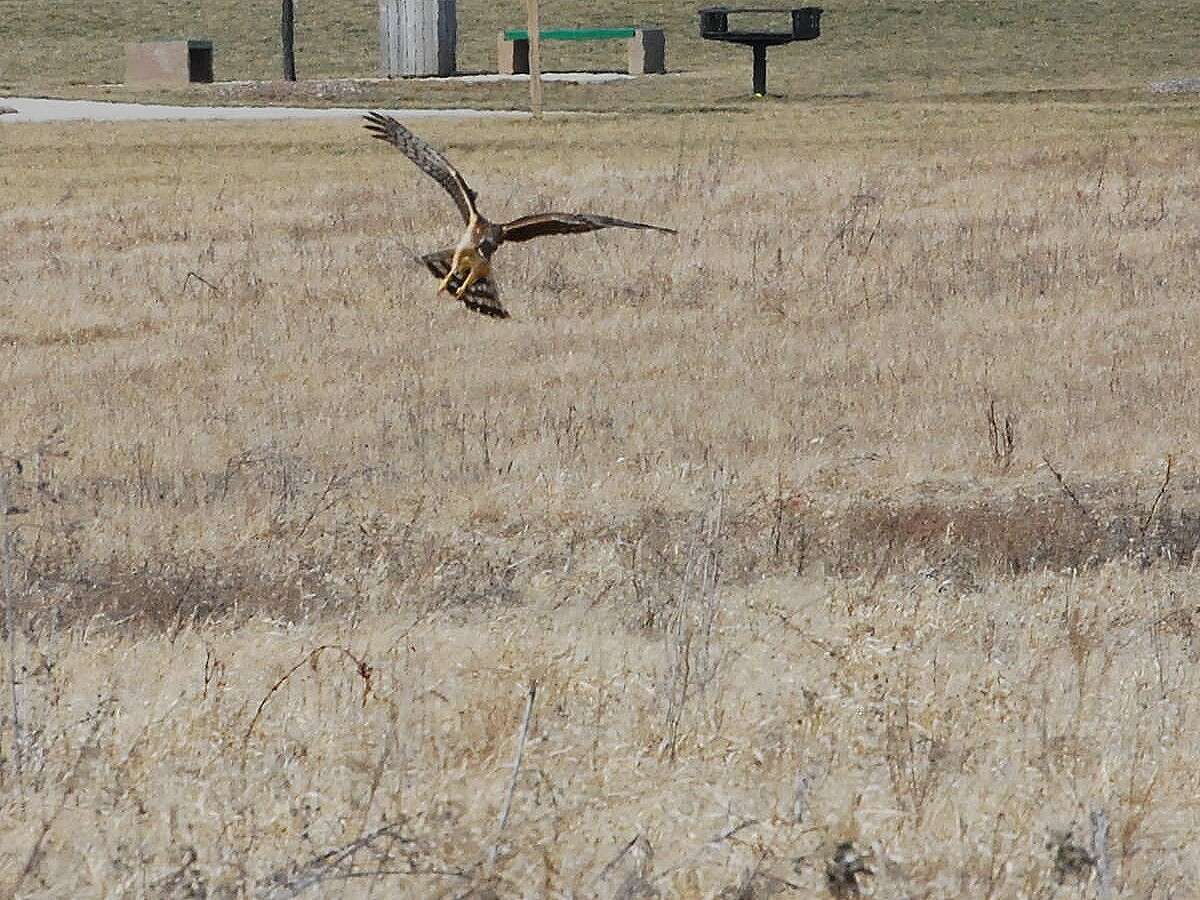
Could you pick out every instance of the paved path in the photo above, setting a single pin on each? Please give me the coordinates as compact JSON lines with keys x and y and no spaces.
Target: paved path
{"x":31,"y":109}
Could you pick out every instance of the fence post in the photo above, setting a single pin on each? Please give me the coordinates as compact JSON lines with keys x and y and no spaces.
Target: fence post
{"x":287,"y":32}
{"x":535,"y":58}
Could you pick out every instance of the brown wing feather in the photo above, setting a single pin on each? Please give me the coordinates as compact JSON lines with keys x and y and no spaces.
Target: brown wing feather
{"x":527,"y":228}
{"x":427,"y":159}
{"x":481,"y":297}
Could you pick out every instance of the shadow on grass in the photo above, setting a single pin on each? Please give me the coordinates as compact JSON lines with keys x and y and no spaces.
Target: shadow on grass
{"x":290,"y":573}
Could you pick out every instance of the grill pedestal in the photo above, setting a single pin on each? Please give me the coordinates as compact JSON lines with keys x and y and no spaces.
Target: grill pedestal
{"x":714,"y":26}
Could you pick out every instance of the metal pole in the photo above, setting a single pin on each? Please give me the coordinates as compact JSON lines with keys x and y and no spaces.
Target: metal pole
{"x":760,"y":70}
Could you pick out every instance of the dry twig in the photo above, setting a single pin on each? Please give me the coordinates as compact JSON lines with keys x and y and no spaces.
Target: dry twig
{"x":364,"y":672}
{"x":1002,"y":437}
{"x":10,"y":625}
{"x":612,"y":863}
{"x":1162,"y":491}
{"x":1062,"y":483}
{"x":337,"y":864}
{"x":716,"y":840}
{"x":68,"y":790}
{"x":516,"y":769}
{"x":200,"y":278}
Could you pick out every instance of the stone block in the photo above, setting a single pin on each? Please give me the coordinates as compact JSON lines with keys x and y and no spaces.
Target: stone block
{"x":648,"y":52}
{"x":512,"y":56}
{"x":169,"y":62}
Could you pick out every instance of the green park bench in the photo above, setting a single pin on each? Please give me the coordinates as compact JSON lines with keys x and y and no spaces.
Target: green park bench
{"x":647,"y":47}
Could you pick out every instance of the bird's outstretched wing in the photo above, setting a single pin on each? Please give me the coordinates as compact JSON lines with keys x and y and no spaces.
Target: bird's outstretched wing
{"x":527,"y":228}
{"x":481,"y":297}
{"x":427,"y":159}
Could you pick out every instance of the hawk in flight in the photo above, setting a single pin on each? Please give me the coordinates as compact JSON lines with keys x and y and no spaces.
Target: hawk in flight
{"x":466,"y":270}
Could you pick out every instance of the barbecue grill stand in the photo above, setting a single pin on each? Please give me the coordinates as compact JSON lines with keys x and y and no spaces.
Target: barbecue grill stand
{"x":714,"y":26}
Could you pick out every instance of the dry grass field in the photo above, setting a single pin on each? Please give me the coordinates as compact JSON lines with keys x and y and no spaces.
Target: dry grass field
{"x":843,"y":516}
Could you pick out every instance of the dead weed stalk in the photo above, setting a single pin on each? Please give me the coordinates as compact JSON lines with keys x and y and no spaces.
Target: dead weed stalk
{"x":692,"y":661}
{"x":362,"y":668}
{"x":1002,"y":438}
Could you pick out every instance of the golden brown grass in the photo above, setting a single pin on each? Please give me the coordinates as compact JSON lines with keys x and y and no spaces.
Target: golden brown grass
{"x":300,"y":447}
{"x":949,"y":734}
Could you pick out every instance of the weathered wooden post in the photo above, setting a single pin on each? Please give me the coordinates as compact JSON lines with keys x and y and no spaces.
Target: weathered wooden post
{"x":417,"y":37}
{"x":535,"y":57}
{"x":287,"y":34}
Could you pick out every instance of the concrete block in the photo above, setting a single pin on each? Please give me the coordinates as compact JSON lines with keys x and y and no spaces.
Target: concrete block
{"x":512,"y":56}
{"x":648,"y":52}
{"x":169,"y":62}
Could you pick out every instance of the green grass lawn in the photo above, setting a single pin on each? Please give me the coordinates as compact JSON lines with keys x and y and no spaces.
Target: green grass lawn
{"x":896,"y":48}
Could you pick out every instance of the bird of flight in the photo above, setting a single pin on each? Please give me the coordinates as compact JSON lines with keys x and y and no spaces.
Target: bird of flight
{"x":466,"y":269}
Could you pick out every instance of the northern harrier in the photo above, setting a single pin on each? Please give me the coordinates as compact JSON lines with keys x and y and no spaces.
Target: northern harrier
{"x":466,"y":269}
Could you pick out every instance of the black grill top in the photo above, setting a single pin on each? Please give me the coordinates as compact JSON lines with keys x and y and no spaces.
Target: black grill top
{"x":714,"y":25}
{"x":746,"y":9}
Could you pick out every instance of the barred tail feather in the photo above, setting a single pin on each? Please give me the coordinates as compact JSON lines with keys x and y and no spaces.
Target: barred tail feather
{"x":481,"y":297}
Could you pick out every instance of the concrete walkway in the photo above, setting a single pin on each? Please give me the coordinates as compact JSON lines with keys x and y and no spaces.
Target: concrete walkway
{"x":30,"y":109}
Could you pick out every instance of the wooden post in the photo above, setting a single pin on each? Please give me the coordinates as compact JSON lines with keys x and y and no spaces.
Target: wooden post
{"x":535,"y":58}
{"x":287,"y":30}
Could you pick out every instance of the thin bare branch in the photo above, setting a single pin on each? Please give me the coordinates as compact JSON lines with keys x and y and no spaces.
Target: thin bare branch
{"x":68,"y":791}
{"x":364,"y":672}
{"x":1062,"y":483}
{"x":212,"y":287}
{"x":516,"y":769}
{"x":1162,"y":492}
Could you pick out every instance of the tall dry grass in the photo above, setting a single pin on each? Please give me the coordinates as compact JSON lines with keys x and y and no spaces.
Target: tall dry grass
{"x":954,"y":737}
{"x":247,"y":430}
{"x":830,"y":329}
